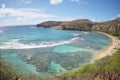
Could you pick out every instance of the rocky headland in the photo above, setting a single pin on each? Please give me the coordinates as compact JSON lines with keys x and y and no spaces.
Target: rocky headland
{"x":84,"y":25}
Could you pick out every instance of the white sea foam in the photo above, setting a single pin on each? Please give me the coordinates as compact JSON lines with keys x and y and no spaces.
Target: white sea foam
{"x":14,"y":40}
{"x":14,"y":44}
{"x":76,"y":35}
{"x":86,"y":32}
{"x":32,"y":27}
{"x":82,"y":39}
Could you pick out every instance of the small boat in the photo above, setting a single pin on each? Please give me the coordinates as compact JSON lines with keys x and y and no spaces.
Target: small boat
{"x":29,"y":58}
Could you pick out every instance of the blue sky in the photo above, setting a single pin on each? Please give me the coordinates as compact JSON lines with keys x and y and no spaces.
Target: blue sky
{"x":23,"y":12}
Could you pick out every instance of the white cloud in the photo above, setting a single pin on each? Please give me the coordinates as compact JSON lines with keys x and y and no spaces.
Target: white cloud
{"x":19,"y":21}
{"x":2,"y":15}
{"x":24,"y":12}
{"x":119,"y":15}
{"x":55,"y":2}
{"x":26,"y":1}
{"x":80,"y":1}
{"x":22,"y":15}
{"x":66,"y":18}
{"x":3,"y":5}
{"x":93,"y":20}
{"x":61,"y":18}
{"x":75,"y":0}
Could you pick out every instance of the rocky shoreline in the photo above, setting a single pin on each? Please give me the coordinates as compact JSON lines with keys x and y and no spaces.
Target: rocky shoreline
{"x":84,"y":25}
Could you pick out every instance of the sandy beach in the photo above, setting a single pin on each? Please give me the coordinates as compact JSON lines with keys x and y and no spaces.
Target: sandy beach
{"x":111,"y":49}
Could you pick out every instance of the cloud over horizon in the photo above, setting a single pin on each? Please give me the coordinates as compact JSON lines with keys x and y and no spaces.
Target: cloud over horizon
{"x":75,"y":0}
{"x":3,"y":5}
{"x":26,"y":1}
{"x":22,"y":14}
{"x":80,"y":1}
{"x":55,"y":2}
{"x":118,"y":15}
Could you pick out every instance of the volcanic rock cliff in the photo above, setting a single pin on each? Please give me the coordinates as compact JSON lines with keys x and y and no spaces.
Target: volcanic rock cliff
{"x":49,"y":24}
{"x":111,"y":26}
{"x":84,"y":25}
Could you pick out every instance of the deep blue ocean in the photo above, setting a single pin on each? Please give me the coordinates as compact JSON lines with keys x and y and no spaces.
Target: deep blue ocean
{"x":45,"y":52}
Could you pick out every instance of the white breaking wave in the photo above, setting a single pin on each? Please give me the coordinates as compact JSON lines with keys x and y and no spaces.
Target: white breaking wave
{"x":86,"y":32}
{"x":14,"y":44}
{"x":76,"y":34}
{"x":14,"y":40}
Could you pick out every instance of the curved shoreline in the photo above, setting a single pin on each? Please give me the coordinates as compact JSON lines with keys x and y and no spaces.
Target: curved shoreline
{"x":110,"y":49}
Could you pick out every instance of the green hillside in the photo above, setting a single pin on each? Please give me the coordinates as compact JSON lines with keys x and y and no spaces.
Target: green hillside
{"x":107,"y":68}
{"x":6,"y":71}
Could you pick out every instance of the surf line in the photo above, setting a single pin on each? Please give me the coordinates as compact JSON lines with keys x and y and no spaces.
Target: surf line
{"x":14,"y":44}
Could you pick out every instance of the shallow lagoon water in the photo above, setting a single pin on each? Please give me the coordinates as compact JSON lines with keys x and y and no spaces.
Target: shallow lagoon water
{"x":48,"y":52}
{"x":67,"y":48}
{"x":19,"y":64}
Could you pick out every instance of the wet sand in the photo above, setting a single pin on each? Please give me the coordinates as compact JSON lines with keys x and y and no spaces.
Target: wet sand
{"x":111,"y":49}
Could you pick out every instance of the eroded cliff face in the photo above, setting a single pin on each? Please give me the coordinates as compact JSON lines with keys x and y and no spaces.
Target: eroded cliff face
{"x":112,"y":26}
{"x":84,"y":25}
{"x":49,"y":24}
{"x":80,"y":24}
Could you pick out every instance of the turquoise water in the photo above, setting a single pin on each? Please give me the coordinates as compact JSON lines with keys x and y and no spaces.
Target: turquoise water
{"x":67,"y":48}
{"x":48,"y":52}
{"x":18,"y":64}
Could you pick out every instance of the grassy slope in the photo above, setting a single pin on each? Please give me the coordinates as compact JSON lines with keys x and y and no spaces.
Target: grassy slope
{"x":103,"y":69}
{"x":117,"y":34}
{"x":106,"y":64}
{"x":8,"y":73}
